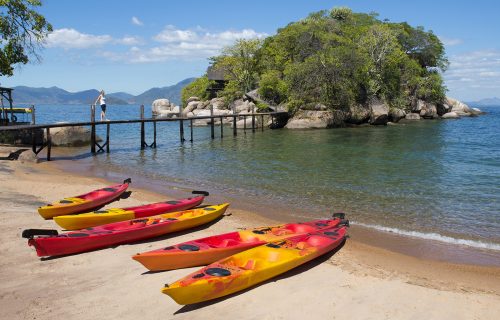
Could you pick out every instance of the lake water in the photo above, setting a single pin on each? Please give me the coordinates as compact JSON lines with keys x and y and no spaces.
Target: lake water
{"x":436,"y":179}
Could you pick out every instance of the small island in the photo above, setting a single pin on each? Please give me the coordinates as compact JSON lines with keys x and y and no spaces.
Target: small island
{"x":335,"y":68}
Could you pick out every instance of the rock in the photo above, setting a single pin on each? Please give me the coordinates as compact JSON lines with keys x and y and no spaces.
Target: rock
{"x":240,"y":124}
{"x":28,"y":156}
{"x":309,"y":119}
{"x":189,"y":114}
{"x":70,"y":136}
{"x":190,"y":106}
{"x":164,"y":108}
{"x":412,"y":116}
{"x":239,"y":105}
{"x":458,"y":106}
{"x":450,"y":115}
{"x":200,"y":123}
{"x":358,"y":114}
{"x":379,"y":112}
{"x":320,"y":107}
{"x":217,"y":103}
{"x":418,"y":106}
{"x":443,"y":108}
{"x":191,"y":99}
{"x":428,"y":111}
{"x":476,"y":111}
{"x":396,"y":114}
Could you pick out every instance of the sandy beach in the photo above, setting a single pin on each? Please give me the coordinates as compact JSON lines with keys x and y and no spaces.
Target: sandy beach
{"x":358,"y":282}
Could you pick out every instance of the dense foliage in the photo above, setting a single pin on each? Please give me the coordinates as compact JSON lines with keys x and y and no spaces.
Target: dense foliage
{"x":338,"y":58}
{"x":22,"y":30}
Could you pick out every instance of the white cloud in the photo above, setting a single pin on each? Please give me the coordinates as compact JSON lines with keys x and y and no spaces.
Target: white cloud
{"x":137,"y":22}
{"x":450,"y":41}
{"x":129,"y":41}
{"x":170,"y":43}
{"x":73,"y":39}
{"x":474,"y":74}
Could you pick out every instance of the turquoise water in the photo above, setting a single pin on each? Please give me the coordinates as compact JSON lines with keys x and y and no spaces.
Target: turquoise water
{"x":431,"y":179}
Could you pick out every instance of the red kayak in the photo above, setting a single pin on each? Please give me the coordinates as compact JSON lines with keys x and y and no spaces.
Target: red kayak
{"x":84,"y":202}
{"x":50,"y":243}
{"x":97,"y":218}
{"x":207,"y":250}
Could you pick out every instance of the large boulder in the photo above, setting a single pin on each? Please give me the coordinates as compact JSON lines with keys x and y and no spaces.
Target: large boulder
{"x":417,"y":106}
{"x":358,"y":114}
{"x":450,"y":115}
{"x":396,"y":114}
{"x":164,"y":108}
{"x":190,"y":99}
{"x":217,"y":103}
{"x":412,"y":116}
{"x":310,"y":119}
{"x":443,"y":108}
{"x":428,"y":111}
{"x":379,"y":112}
{"x":458,"y":106}
{"x":70,"y":136}
{"x":240,"y":124}
{"x":191,"y":105}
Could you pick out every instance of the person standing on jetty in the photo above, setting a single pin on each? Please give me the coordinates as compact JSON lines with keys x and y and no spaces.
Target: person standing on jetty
{"x":102,"y":102}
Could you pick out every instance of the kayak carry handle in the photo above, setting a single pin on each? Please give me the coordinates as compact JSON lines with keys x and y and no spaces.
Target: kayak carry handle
{"x":339,"y":215}
{"x":204,"y":193}
{"x":344,"y":222}
{"x":127,"y":181}
{"x":30,"y":233}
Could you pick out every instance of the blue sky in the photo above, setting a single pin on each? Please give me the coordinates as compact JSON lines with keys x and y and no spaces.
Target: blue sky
{"x":131,"y":46}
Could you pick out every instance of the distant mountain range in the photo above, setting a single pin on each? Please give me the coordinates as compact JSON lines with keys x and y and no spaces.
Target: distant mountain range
{"x":486,"y":102}
{"x":26,"y":95}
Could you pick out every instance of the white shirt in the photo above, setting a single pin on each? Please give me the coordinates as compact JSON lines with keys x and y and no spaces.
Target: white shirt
{"x":102,"y":100}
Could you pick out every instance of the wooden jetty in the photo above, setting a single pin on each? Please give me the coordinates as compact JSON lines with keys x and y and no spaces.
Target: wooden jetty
{"x":96,"y":147}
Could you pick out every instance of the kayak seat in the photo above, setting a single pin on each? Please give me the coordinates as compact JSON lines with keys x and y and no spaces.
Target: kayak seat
{"x":109,"y":189}
{"x":228,"y":243}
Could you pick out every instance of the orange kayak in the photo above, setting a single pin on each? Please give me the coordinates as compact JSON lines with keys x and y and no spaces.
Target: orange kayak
{"x":248,"y":268}
{"x":84,"y":202}
{"x":207,"y":250}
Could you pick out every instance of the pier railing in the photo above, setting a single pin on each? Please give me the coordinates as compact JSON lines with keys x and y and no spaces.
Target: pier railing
{"x":96,"y":147}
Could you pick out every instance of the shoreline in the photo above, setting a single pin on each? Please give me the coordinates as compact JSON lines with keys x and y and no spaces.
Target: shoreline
{"x":360,"y":277}
{"x":387,"y":238}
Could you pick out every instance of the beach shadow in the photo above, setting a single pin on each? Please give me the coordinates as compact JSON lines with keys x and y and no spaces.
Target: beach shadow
{"x":124,"y":195}
{"x":300,"y":269}
{"x":160,"y":238}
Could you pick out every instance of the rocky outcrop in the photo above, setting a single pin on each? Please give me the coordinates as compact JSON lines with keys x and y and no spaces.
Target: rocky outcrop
{"x":70,"y":136}
{"x":379,"y":112}
{"x":443,"y":108}
{"x":450,"y":115}
{"x":428,"y":111}
{"x":358,"y":114}
{"x":412,"y":116}
{"x":311,"y":119}
{"x":462,"y":109}
{"x":164,"y":108}
{"x":396,"y":114}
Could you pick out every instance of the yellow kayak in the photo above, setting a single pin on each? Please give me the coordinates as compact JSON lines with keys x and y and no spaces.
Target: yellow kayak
{"x":248,"y":268}
{"x":100,"y":217}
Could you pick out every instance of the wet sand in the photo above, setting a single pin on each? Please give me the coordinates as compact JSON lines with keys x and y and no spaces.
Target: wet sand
{"x":359,"y":281}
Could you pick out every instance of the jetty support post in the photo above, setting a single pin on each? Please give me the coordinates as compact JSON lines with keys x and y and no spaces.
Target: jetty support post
{"x":33,"y":120}
{"x":262,"y":123}
{"x":191,"y":126}
{"x":253,"y":119}
{"x":212,"y":126}
{"x":92,"y":128}
{"x":234,"y":125}
{"x":154,"y":135}
{"x":143,"y":132}
{"x":49,"y":144}
{"x":221,"y":128}
{"x":181,"y":124}
{"x":244,"y":124}
{"x":107,"y":137}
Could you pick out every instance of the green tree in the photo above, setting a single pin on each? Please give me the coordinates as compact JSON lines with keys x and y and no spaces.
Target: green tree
{"x":240,"y":64}
{"x":197,"y":88}
{"x":23,"y":30}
